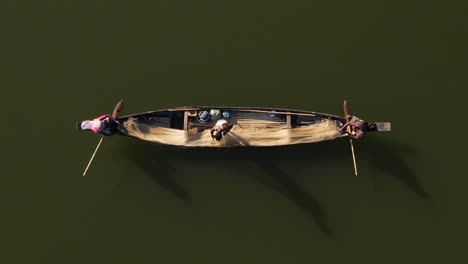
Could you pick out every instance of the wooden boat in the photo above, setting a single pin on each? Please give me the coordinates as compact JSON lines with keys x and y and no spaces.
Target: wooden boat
{"x":252,"y":126}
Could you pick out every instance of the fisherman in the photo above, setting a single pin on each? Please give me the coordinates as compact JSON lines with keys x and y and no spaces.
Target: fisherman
{"x":358,"y":127}
{"x":220,"y":128}
{"x":104,"y":125}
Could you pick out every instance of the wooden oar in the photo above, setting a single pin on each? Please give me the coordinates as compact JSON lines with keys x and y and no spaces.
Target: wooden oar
{"x":346,"y":112}
{"x":354,"y":158}
{"x":92,"y":157}
{"x":117,"y":108}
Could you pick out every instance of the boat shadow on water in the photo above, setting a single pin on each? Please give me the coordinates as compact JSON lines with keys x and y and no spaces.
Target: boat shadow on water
{"x":385,"y":157}
{"x":286,"y":185}
{"x":157,"y":166}
{"x":382,"y":155}
{"x":154,"y":159}
{"x":391,"y":158}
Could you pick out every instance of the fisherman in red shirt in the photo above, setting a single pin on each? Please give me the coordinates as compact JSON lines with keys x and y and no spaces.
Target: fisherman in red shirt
{"x":104,"y":125}
{"x":220,"y":128}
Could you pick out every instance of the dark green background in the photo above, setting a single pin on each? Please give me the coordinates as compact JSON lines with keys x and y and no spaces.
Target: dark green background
{"x":404,"y":62}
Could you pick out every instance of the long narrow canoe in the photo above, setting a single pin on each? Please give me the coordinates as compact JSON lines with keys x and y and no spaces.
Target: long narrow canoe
{"x":252,"y":126}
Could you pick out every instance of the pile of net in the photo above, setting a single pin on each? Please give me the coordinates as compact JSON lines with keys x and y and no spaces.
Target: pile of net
{"x":246,"y":133}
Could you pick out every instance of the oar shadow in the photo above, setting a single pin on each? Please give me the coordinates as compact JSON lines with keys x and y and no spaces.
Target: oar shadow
{"x":275,"y":178}
{"x":389,"y":157}
{"x":385,"y":155}
{"x":284,"y":184}
{"x":147,"y":157}
{"x":380,"y":154}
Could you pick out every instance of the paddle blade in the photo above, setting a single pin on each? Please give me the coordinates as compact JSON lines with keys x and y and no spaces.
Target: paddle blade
{"x":383,"y":126}
{"x":117,"y":108}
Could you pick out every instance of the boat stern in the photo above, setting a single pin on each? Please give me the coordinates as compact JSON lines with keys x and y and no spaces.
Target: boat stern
{"x":379,"y":126}
{"x":78,"y":125}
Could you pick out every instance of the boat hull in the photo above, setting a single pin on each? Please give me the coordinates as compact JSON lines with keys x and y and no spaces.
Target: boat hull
{"x":252,"y":126}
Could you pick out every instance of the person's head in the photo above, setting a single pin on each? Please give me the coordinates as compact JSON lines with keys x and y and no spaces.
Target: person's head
{"x":218,"y":135}
{"x":361,"y":125}
{"x":359,"y":135}
{"x":94,"y":125}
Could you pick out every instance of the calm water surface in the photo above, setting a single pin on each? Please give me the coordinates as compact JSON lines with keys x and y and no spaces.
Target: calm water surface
{"x":63,"y":61}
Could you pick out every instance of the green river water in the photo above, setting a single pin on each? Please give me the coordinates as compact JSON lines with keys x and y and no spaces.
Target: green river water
{"x":403,"y":62}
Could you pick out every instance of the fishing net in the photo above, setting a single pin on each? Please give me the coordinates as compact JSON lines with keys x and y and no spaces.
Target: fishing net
{"x":244,"y":133}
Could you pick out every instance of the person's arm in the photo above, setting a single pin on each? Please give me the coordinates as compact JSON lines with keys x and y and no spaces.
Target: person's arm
{"x":229,"y":127}
{"x":105,"y":133}
{"x":102,"y":117}
{"x":344,"y":126}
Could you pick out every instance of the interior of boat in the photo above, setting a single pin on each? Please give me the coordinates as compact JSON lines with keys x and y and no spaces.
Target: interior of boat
{"x":250,"y":127}
{"x":201,"y":119}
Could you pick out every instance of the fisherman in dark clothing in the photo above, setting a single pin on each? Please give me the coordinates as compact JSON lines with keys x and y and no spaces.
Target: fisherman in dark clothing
{"x":357,"y":127}
{"x":220,"y":128}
